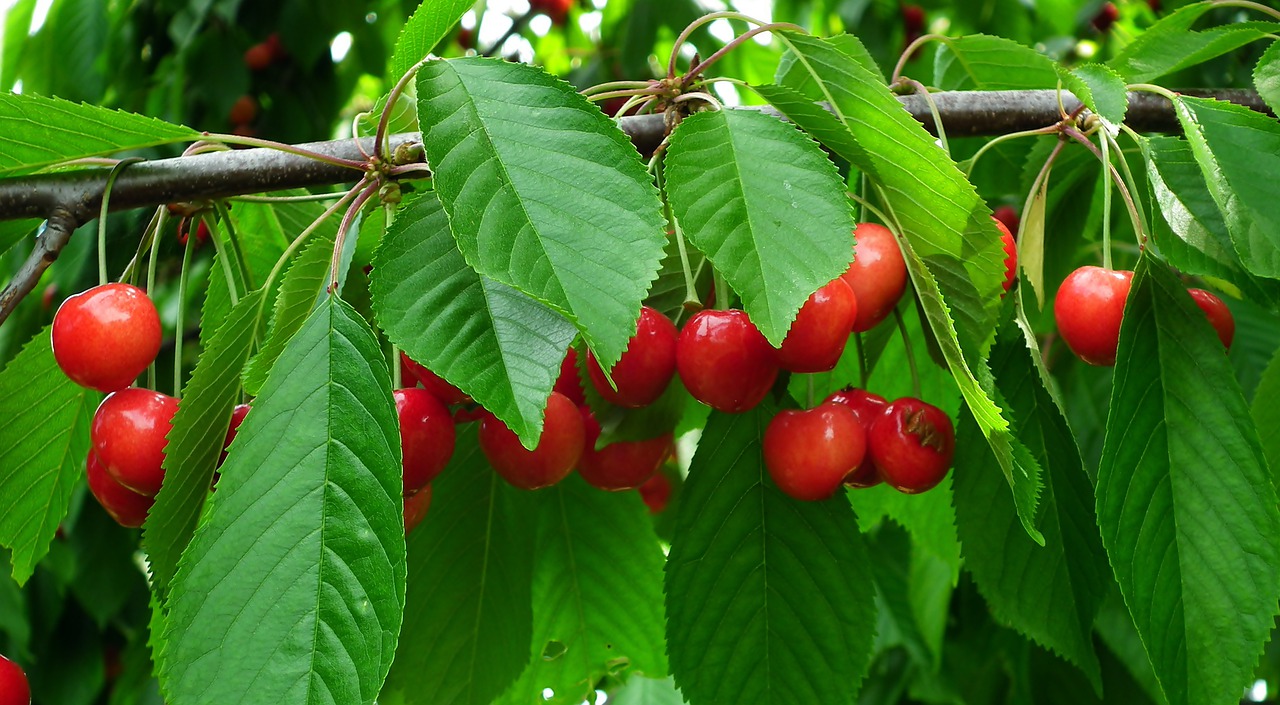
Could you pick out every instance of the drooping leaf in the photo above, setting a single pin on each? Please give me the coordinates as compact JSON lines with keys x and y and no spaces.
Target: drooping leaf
{"x":195,"y":441}
{"x":468,"y":612}
{"x":544,"y":193}
{"x":1030,"y":239}
{"x":498,"y":345}
{"x":764,"y":596}
{"x":292,"y":590}
{"x":1170,"y":45}
{"x":1266,"y":76}
{"x":42,"y":451}
{"x":986,"y":63}
{"x":424,"y":30}
{"x":1184,"y":499}
{"x":1100,"y":88}
{"x":36,"y":132}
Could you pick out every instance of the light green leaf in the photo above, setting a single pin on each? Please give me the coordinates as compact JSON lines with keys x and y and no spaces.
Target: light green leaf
{"x":1100,"y":88}
{"x":1169,"y":45}
{"x":647,"y":691}
{"x":1266,"y":76}
{"x":429,"y":24}
{"x":36,"y":132}
{"x":195,"y":441}
{"x":767,"y":207}
{"x":1184,"y":499}
{"x":499,"y":346}
{"x":468,"y":614}
{"x":1030,"y":239}
{"x":986,"y":63}
{"x":544,"y":193}
{"x":42,"y":451}
{"x":292,"y":590}
{"x":766,"y":598}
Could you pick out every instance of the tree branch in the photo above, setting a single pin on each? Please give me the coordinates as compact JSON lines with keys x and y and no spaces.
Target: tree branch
{"x":49,"y":245}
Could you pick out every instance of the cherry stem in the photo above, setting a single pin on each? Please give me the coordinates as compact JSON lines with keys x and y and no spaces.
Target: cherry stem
{"x":911,"y":356}
{"x":1115,"y":176}
{"x":808,"y":392}
{"x":345,"y":226}
{"x":694,"y":25}
{"x":615,"y":86}
{"x":289,"y":148}
{"x":222,"y":253}
{"x":1106,"y":204}
{"x":151,"y":285}
{"x":102,"y":215}
{"x":289,"y":199}
{"x":397,"y":380}
{"x":152,"y":231}
{"x":934,"y":113}
{"x":734,"y":44}
{"x":1245,"y":4}
{"x":624,"y":93}
{"x":973,"y":161}
{"x":242,"y":263}
{"x":862,"y":360}
{"x":182,"y":297}
{"x":1128,"y":178}
{"x":722,"y":291}
{"x":911,"y":49}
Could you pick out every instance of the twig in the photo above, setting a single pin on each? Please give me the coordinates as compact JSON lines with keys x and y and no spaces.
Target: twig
{"x":49,"y":245}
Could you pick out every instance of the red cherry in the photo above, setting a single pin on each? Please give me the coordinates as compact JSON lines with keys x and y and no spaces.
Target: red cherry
{"x":259,"y":56}
{"x":1218,"y":313}
{"x":128,"y":435}
{"x":569,"y":383}
{"x":127,"y":507}
{"x":1088,"y":308}
{"x":202,"y":233}
{"x":466,"y":38}
{"x":426,"y":436}
{"x":411,"y":372}
{"x":821,"y":329}
{"x":558,"y":449}
{"x":557,"y":10}
{"x":867,"y":407}
{"x":1008,"y":216}
{"x":1106,"y":17}
{"x":243,"y":111}
{"x":623,"y":465}
{"x":912,"y":443}
{"x":656,"y":492}
{"x":237,"y":418}
{"x":913,"y":19}
{"x":14,"y":689}
{"x":415,"y":508}
{"x":878,"y":274}
{"x":1010,"y":253}
{"x":278,"y":52}
{"x":647,"y":366}
{"x":809,"y":452}
{"x":724,"y":361}
{"x":105,"y":337}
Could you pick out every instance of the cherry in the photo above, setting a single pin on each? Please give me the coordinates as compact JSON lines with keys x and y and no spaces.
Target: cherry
{"x":127,"y":507}
{"x":724,"y":361}
{"x":202,"y":233}
{"x":1106,"y":17}
{"x":569,"y":383}
{"x":466,"y":38}
{"x":426,"y":436}
{"x":237,"y":418}
{"x":557,"y":10}
{"x":273,"y":42}
{"x":821,"y":329}
{"x":656,"y":492}
{"x":558,"y":449}
{"x":1008,"y":216}
{"x":14,"y":689}
{"x":809,"y":452}
{"x":645,"y":368}
{"x":259,"y":56}
{"x":867,"y":407}
{"x":912,"y":443}
{"x":128,"y":435}
{"x":877,"y":275}
{"x":913,"y":19}
{"x":105,"y":337}
{"x":622,"y":465}
{"x":1219,"y":315}
{"x":243,"y":111}
{"x":1010,"y":253}
{"x":415,"y":508}
{"x":411,"y":372}
{"x":1088,"y":308}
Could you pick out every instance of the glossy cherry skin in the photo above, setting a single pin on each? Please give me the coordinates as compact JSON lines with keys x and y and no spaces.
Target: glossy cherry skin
{"x":569,"y":383}
{"x":411,"y":373}
{"x":724,"y":361}
{"x":237,"y":418}
{"x":128,"y":435}
{"x":1219,"y":315}
{"x":808,"y":453}
{"x":426,"y":436}
{"x":821,"y":329}
{"x":656,"y":492}
{"x":1010,"y":253}
{"x":867,"y":407}
{"x":14,"y":689}
{"x":647,"y":366}
{"x":127,"y":507}
{"x":878,"y":274}
{"x":105,"y":337}
{"x":415,"y":508}
{"x":558,"y":450}
{"x":622,"y":465}
{"x":1088,"y":308}
{"x":912,"y":444}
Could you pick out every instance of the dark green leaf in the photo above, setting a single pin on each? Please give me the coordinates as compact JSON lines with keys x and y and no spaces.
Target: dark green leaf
{"x":429,"y":24}
{"x":981,"y":62}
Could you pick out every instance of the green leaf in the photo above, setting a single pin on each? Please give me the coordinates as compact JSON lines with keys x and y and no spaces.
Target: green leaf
{"x":766,"y":598}
{"x":499,"y":346}
{"x":544,"y":193}
{"x":1030,"y":239}
{"x":1239,"y":153}
{"x":292,"y":590}
{"x":767,"y":207}
{"x":647,"y":691}
{"x":795,"y":75}
{"x":929,"y":517}
{"x":468,"y":613}
{"x":1266,"y":415}
{"x":597,"y":593}
{"x":1266,"y":76}
{"x":1100,"y":88}
{"x":1169,"y":45}
{"x":261,"y":230}
{"x":195,"y":441}
{"x":429,"y":24}
{"x":13,"y":232}
{"x":985,"y":63}
{"x":36,"y":132}
{"x":42,"y":451}
{"x":1183,"y":498}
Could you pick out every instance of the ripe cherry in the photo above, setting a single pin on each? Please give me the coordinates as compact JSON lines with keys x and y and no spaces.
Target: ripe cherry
{"x":821,"y":329}
{"x":426,"y":436}
{"x":912,"y":443}
{"x":558,"y":449}
{"x":415,"y":508}
{"x":557,"y":10}
{"x":1008,"y":216}
{"x":243,"y":111}
{"x":645,"y":368}
{"x":259,"y":56}
{"x":878,"y":274}
{"x":1219,"y":315}
{"x":913,"y":19}
{"x":867,"y":407}
{"x":622,"y":465}
{"x":724,"y":361}
{"x":1106,"y":17}
{"x":105,"y":337}
{"x":237,"y":418}
{"x":656,"y":492}
{"x":809,"y":453}
{"x":411,"y":372}
{"x":14,"y":689}
{"x":128,"y":435}
{"x":1010,"y":253}
{"x":1088,"y":308}
{"x":569,"y":383}
{"x":127,"y":507}
{"x":202,"y":233}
